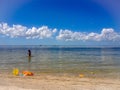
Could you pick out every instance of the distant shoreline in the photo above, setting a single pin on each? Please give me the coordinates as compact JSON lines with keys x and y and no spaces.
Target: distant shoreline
{"x":65,"y":46}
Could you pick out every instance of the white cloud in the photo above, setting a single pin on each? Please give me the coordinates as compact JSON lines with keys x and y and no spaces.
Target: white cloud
{"x":67,"y":35}
{"x":22,"y":31}
{"x":105,"y":35}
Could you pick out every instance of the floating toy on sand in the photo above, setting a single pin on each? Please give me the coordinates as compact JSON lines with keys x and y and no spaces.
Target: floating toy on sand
{"x":16,"y":71}
{"x":92,"y":73}
{"x":24,"y":73}
{"x":27,"y":73}
{"x":81,"y":75}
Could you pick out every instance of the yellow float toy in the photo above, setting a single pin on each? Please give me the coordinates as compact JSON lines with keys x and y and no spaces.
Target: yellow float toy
{"x":16,"y":71}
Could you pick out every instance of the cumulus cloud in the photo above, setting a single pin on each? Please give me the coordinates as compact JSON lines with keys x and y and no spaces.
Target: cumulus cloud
{"x":105,"y":35}
{"x":22,"y":31}
{"x":67,"y":35}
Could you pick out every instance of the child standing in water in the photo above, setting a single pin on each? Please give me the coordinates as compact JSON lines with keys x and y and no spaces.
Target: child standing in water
{"x":29,"y":55}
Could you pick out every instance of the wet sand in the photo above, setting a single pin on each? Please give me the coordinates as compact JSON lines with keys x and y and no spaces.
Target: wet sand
{"x":58,"y":82}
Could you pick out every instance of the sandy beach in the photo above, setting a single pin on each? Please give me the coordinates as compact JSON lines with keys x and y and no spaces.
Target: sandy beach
{"x":59,"y":82}
{"x":60,"y":69}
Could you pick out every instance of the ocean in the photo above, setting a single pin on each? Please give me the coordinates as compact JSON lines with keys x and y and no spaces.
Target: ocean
{"x":70,"y":60}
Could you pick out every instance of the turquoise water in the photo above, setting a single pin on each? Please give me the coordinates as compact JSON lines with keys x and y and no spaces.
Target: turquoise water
{"x":62,"y":59}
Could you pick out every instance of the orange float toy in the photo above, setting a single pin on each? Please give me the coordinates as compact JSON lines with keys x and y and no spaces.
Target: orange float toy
{"x":27,"y":73}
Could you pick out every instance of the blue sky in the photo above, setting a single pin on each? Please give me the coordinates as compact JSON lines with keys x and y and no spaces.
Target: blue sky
{"x":59,"y":22}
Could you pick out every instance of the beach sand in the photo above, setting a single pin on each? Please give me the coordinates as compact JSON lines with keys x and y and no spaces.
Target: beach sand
{"x":56,"y":82}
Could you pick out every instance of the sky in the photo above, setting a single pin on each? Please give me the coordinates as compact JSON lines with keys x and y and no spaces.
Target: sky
{"x":60,"y":22}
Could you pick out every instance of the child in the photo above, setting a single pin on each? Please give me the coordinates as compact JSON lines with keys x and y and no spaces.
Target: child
{"x":29,"y":53}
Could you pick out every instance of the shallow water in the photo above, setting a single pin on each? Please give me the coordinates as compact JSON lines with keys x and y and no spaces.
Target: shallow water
{"x":59,"y":59}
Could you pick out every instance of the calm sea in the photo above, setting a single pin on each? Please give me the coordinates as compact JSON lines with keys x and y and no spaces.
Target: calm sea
{"x":101,"y":61}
